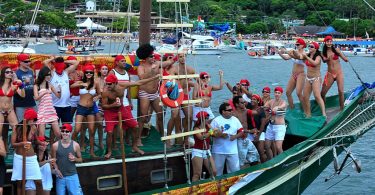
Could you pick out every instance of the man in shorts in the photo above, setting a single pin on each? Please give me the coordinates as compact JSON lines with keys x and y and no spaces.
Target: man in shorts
{"x":224,"y":148}
{"x":112,"y":103}
{"x":276,"y":128}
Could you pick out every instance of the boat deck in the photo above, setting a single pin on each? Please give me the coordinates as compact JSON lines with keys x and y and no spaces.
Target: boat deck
{"x":152,"y":145}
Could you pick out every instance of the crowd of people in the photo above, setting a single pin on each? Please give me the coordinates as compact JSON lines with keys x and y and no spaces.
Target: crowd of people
{"x":249,"y":130}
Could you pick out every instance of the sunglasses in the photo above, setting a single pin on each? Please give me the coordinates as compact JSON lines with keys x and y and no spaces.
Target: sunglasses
{"x":151,"y":56}
{"x":312,"y":46}
{"x":229,"y":110}
{"x":65,"y":131}
{"x":8,"y":72}
{"x":109,"y":84}
{"x":265,"y":92}
{"x":27,"y":61}
{"x":205,"y":77}
{"x":297,"y":45}
{"x":242,"y":102}
{"x":89,"y":72}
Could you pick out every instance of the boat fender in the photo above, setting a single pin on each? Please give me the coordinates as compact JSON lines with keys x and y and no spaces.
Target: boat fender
{"x":355,"y":53}
{"x":251,"y":53}
{"x":171,"y":94}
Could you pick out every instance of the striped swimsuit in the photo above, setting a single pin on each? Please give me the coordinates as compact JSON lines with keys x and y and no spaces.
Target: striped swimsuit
{"x":46,"y":111}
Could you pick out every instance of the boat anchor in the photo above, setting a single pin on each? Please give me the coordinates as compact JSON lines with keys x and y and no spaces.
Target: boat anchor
{"x":338,"y":169}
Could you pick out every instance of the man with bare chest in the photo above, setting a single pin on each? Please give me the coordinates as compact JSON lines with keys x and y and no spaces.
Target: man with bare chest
{"x":149,"y":93}
{"x":247,"y":151}
{"x":112,"y":103}
{"x":186,"y":85}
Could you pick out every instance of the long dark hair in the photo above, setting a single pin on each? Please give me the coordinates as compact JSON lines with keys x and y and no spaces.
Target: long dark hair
{"x":333,"y":50}
{"x":317,"y":53}
{"x":85,"y":79}
{"x":42,"y":75}
{"x":2,"y":76}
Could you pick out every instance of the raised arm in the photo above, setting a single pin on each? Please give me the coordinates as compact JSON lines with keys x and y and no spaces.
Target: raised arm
{"x":342,"y":56}
{"x":282,"y":54}
{"x":221,"y":85}
{"x":139,"y":82}
{"x":73,"y":65}
{"x":48,"y":62}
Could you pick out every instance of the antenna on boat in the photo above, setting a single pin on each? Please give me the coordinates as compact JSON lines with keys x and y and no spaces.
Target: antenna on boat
{"x":32,"y":22}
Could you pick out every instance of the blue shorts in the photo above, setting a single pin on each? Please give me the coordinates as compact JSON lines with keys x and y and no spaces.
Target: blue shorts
{"x":85,"y":111}
{"x":68,"y":184}
{"x":64,"y":114}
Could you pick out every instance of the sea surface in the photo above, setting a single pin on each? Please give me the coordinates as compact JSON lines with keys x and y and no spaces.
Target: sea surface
{"x":273,"y":73}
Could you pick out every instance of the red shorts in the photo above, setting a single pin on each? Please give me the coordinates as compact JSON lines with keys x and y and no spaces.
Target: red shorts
{"x":111,"y":118}
{"x":186,"y":96}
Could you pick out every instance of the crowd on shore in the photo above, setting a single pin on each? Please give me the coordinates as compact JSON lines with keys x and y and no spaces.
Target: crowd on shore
{"x":249,"y":130}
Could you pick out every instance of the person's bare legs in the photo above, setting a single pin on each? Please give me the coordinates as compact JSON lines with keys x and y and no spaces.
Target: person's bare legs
{"x":144,"y":106}
{"x":188,"y":112}
{"x":197,"y":168}
{"x":318,"y":97}
{"x":261,"y":151}
{"x":289,"y":90}
{"x":109,"y":145}
{"x":155,"y":104}
{"x":300,"y":83}
{"x":340,"y":88}
{"x":135,"y":134}
{"x":327,"y":84}
{"x":99,"y":126}
{"x":306,"y":94}
{"x":279,"y":146}
{"x":91,"y":125}
{"x":56,"y":130}
{"x":174,"y":122}
{"x":268,"y":146}
{"x":211,"y":170}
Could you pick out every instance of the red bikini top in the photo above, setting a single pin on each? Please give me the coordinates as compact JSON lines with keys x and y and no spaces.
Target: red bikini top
{"x":201,"y":93}
{"x":308,"y":64}
{"x":335,"y":57}
{"x":10,"y":93}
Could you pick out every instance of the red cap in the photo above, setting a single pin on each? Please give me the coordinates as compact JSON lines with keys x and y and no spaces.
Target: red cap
{"x":23,"y":57}
{"x":202,"y":75}
{"x":111,"y":79}
{"x":279,"y":89}
{"x":30,"y":114}
{"x":327,"y":38}
{"x":301,"y":41}
{"x":59,"y":67}
{"x":119,"y":57}
{"x":202,"y":114}
{"x":41,"y":138}
{"x":88,"y":67}
{"x":245,"y":82}
{"x":266,"y":88}
{"x":67,"y":127}
{"x":157,"y":56}
{"x":258,"y":98}
{"x":71,"y":58}
{"x":316,"y":45}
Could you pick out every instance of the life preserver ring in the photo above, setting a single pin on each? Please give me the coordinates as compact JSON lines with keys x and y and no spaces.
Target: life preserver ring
{"x":355,"y":53}
{"x":166,"y":100}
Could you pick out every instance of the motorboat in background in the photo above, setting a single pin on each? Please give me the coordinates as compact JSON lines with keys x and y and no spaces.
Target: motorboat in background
{"x":356,"y":48}
{"x":71,"y":44}
{"x":14,"y":45}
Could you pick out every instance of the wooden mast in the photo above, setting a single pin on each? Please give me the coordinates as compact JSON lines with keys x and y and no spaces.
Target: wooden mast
{"x":145,"y":21}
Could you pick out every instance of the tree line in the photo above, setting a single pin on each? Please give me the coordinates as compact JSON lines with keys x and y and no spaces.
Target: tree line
{"x":251,"y":16}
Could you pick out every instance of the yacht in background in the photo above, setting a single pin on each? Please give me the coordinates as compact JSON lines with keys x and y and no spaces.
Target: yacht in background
{"x":14,"y":45}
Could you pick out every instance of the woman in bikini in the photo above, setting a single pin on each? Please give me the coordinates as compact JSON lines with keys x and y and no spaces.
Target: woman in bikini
{"x":99,"y":117}
{"x":334,"y":73}
{"x":89,"y":88}
{"x":297,"y":79}
{"x":203,"y":91}
{"x":313,"y":79}
{"x":266,"y":95}
{"x":7,"y":91}
{"x":201,"y":154}
{"x":46,"y":112}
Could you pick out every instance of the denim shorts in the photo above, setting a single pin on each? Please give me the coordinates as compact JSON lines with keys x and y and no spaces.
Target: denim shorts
{"x":68,"y":184}
{"x":84,"y":111}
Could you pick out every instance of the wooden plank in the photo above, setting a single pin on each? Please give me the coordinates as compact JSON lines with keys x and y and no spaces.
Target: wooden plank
{"x":182,"y":134}
{"x":174,"y":25}
{"x":172,"y":1}
{"x":192,"y":101}
{"x":181,"y":76}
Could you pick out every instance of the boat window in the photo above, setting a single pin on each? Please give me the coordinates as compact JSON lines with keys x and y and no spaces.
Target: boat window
{"x":109,"y":182}
{"x":157,"y":176}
